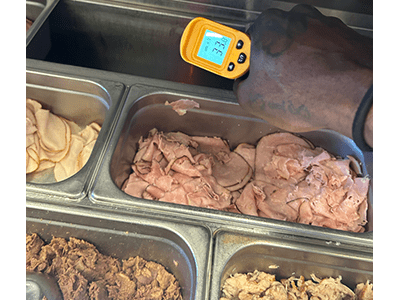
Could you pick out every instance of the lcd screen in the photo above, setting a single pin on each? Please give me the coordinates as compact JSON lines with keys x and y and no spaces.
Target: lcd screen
{"x":214,"y":47}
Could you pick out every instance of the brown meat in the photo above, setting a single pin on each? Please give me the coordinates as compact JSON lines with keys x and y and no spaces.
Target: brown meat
{"x":33,"y":246}
{"x":262,"y":286}
{"x":364,"y":291}
{"x":328,"y":288}
{"x":253,"y":286}
{"x":84,"y":273}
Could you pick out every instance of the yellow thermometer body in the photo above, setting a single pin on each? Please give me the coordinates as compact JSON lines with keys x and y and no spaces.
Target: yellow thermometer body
{"x":216,"y":48}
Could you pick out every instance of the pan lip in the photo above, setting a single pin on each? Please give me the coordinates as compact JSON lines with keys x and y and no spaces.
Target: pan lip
{"x":184,"y":236}
{"x":140,"y":92}
{"x":109,"y":95}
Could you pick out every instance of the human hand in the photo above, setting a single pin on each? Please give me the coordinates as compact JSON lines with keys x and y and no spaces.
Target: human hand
{"x":307,"y":71}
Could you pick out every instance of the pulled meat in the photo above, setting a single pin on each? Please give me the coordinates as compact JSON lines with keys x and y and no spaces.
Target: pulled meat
{"x":283,"y":177}
{"x":364,"y":291}
{"x":54,"y":142}
{"x":83,"y":272}
{"x":263,"y":286}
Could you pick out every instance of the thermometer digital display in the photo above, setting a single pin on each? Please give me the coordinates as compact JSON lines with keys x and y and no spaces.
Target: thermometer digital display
{"x":215,"y":47}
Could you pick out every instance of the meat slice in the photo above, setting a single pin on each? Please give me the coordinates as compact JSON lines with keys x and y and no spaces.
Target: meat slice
{"x":233,"y":174}
{"x":308,"y":185}
{"x":247,"y":201}
{"x":180,"y":169}
{"x":54,"y":142}
{"x":213,"y":145}
{"x":284,"y":177}
{"x":248,"y":152}
{"x":135,"y":186}
{"x":266,"y":149}
{"x":181,"y":106}
{"x":177,"y":196}
{"x":274,"y":204}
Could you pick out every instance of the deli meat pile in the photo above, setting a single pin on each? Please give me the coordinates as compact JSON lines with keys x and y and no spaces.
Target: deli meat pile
{"x":82,"y":272}
{"x":53,"y":142}
{"x":263,"y":286}
{"x":283,"y":177}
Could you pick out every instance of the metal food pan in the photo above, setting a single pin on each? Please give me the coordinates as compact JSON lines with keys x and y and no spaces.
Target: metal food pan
{"x":82,"y":101}
{"x":123,"y":38}
{"x":144,"y":109}
{"x":35,"y":8}
{"x":38,"y":11}
{"x":182,"y":248}
{"x":242,"y":253}
{"x":142,"y":37}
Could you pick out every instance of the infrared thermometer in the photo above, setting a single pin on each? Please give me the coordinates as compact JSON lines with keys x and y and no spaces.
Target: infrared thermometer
{"x":216,"y":48}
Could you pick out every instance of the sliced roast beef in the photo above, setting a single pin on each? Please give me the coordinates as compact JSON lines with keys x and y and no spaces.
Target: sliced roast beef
{"x":181,"y":106}
{"x":284,"y":177}
{"x":233,"y":174}
{"x":248,"y":152}
{"x":247,"y":201}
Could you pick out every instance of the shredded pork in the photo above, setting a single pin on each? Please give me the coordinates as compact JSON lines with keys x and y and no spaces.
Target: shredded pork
{"x":263,"y":286}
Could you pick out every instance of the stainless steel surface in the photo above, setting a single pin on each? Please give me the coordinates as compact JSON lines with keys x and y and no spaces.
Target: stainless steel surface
{"x":123,"y":58}
{"x":38,"y":11}
{"x":39,"y":285}
{"x":242,"y":253}
{"x":142,"y":37}
{"x":111,"y":37}
{"x":82,"y":101}
{"x":182,"y":248}
{"x":34,"y":8}
{"x":144,"y":109}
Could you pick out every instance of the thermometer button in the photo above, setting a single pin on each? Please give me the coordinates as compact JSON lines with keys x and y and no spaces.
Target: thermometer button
{"x":231,"y":66}
{"x":239,"y":44}
{"x":242,"y":58}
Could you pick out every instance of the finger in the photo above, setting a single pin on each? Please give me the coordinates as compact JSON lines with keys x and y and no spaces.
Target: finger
{"x":308,"y":10}
{"x":238,"y":82}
